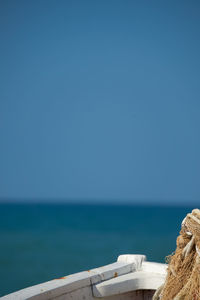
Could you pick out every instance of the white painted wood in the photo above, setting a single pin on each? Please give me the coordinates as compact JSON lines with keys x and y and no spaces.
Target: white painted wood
{"x":53,"y":288}
{"x":109,"y":271}
{"x":81,"y":294}
{"x":137,"y":260}
{"x":66,"y":284}
{"x":130,"y":282}
{"x":113,"y":279}
{"x":154,"y":267}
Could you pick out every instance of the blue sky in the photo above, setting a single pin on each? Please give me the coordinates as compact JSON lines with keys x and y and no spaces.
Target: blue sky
{"x":99,"y":100}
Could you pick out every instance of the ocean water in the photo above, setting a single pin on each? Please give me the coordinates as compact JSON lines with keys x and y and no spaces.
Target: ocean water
{"x":40,"y":242}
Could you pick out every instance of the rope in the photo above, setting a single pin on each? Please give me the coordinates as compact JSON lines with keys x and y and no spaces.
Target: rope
{"x":183,"y":276}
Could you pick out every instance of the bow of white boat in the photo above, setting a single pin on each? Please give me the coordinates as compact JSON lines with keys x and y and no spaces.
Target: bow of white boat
{"x":125,"y":277}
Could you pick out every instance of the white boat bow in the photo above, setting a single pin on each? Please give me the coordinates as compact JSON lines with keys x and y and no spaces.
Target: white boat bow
{"x":131,"y":277}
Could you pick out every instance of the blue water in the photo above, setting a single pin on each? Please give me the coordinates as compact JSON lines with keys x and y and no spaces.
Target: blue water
{"x":40,"y":242}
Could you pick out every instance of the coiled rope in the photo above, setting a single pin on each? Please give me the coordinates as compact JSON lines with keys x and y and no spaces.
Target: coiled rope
{"x":183,"y":275}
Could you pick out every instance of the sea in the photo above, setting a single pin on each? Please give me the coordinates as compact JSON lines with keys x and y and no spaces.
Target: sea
{"x":41,"y":242}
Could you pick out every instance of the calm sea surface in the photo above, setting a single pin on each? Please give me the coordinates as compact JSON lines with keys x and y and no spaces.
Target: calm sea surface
{"x":40,"y":242}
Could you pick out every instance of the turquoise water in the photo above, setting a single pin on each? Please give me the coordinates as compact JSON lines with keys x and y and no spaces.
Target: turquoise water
{"x":40,"y":242}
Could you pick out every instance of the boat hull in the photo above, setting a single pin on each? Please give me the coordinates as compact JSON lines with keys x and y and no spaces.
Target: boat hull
{"x":130,"y":278}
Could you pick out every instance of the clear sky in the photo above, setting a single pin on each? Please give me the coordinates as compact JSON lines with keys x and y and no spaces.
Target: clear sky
{"x":100,"y":100}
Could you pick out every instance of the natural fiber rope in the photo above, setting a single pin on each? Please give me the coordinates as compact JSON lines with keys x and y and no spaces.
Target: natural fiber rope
{"x":183,"y":276}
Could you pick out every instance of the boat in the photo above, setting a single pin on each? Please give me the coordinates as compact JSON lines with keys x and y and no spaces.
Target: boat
{"x":131,"y":277}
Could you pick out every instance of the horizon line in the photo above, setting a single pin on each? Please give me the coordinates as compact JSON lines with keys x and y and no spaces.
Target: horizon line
{"x":103,"y":201}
